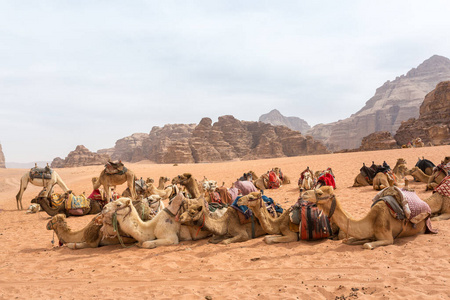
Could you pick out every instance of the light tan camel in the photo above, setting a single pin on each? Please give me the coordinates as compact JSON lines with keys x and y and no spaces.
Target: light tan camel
{"x":440,"y":206}
{"x":418,"y":175}
{"x":226,"y":229}
{"x":400,"y":167}
{"x":435,"y":179}
{"x":417,"y":142}
{"x":164,"y":229}
{"x":382,"y":180}
{"x":162,"y":182}
{"x":91,"y":236}
{"x":377,"y":228}
{"x":278,"y":228}
{"x":111,"y":180}
{"x":307,"y":182}
{"x":166,"y":193}
{"x":46,"y":183}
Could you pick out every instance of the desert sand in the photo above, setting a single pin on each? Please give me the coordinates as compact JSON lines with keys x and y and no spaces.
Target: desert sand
{"x":414,"y":268}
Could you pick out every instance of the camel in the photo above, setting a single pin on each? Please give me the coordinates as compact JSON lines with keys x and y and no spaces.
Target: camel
{"x":91,"y":236}
{"x":306,"y":180}
{"x":284,"y":179}
{"x":162,"y":182}
{"x":164,"y":229}
{"x":418,"y":175}
{"x":425,"y":165}
{"x":94,"y":206}
{"x":383,"y":180}
{"x":440,"y":206}
{"x":140,"y":187}
{"x":278,"y":228}
{"x":377,"y":228}
{"x":189,"y":182}
{"x":110,"y":180}
{"x":166,"y":193}
{"x":46,"y":183}
{"x":228,"y":228}
{"x":417,"y":142}
{"x":435,"y":179}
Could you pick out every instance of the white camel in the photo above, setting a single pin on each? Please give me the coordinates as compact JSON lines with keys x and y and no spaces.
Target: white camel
{"x":46,"y":183}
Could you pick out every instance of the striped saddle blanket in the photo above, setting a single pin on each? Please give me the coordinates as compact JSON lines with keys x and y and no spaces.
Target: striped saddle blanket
{"x":74,"y":202}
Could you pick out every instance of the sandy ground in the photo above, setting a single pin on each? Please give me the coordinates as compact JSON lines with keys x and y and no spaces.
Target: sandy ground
{"x":414,"y":268}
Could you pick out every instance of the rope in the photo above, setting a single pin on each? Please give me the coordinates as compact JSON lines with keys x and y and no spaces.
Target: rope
{"x":116,"y":229}
{"x":203,"y":223}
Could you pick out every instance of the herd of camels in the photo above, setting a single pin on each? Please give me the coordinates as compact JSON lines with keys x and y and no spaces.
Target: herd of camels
{"x":200,"y":209}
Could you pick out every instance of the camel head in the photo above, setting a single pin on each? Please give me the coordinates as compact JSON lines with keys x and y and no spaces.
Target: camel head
{"x":55,"y":221}
{"x":192,"y":214}
{"x":164,"y":179}
{"x":149,"y":180}
{"x":410,"y":172}
{"x":320,"y":195}
{"x":401,"y":161}
{"x":182,"y":179}
{"x":209,"y":185}
{"x":121,"y":206}
{"x":95,"y":182}
{"x":250,"y":199}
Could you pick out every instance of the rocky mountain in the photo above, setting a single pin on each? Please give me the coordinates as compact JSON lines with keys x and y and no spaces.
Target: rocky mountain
{"x":379,"y":140}
{"x":274,"y":117}
{"x":81,"y":156}
{"x":227,"y":139}
{"x":393,"y":102}
{"x":433,"y":123}
{"x":2,"y":158}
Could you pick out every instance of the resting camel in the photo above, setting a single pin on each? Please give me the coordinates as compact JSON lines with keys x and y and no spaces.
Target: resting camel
{"x":278,"y":228}
{"x":284,"y":179}
{"x":418,"y":175}
{"x":189,"y":182}
{"x":227,"y":229}
{"x":166,"y":193}
{"x":164,"y":229}
{"x":435,"y":179}
{"x":91,"y":236}
{"x":46,"y":183}
{"x":94,"y":207}
{"x":440,"y":206}
{"x":377,"y":228}
{"x":382,"y":180}
{"x":307,"y":182}
{"x":111,"y":180}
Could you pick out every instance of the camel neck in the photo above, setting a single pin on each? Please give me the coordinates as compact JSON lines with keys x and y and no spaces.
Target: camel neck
{"x":216,"y":226}
{"x":269,"y":225}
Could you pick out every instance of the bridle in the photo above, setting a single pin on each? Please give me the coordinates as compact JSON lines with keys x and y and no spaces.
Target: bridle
{"x":333,"y":203}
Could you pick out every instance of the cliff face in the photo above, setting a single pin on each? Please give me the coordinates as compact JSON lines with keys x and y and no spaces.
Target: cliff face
{"x":227,"y":139}
{"x":276,"y":118}
{"x":394,"y":102}
{"x":378,"y":141}
{"x":433,"y":124}
{"x":81,"y":156}
{"x":2,"y":158}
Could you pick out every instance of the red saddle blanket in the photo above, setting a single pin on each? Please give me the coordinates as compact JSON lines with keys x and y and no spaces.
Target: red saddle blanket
{"x":444,"y":187}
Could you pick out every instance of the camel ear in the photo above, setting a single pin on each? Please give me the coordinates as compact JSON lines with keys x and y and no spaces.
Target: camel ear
{"x":187,"y":175}
{"x":127,"y":202}
{"x":200,"y":208}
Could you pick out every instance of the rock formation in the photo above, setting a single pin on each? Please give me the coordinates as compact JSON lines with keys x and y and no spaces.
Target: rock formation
{"x":394,"y":102}
{"x":2,"y":158}
{"x":433,"y":124}
{"x":81,"y":156}
{"x":227,"y":139}
{"x":378,"y":141}
{"x":274,"y":117}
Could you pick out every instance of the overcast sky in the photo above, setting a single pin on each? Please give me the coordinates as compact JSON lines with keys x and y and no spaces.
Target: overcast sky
{"x":92,"y":72}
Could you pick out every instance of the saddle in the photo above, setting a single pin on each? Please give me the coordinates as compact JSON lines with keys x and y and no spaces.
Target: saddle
{"x":309,"y":221}
{"x":302,"y":175}
{"x":112,"y":168}
{"x":76,"y":204}
{"x":442,"y":168}
{"x":273,"y":182}
{"x":423,"y":164}
{"x":41,"y":173}
{"x":369,"y":172}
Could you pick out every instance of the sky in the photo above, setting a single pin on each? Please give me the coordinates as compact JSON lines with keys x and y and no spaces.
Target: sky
{"x":92,"y":72}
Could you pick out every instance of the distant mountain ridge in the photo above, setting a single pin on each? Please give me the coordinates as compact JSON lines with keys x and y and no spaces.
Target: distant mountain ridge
{"x":274,"y":117}
{"x":394,"y":102}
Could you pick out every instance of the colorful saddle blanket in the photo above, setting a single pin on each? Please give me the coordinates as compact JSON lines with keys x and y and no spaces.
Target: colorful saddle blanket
{"x":274,"y":181}
{"x":56,"y":200}
{"x":246,"y":187}
{"x":75,"y":204}
{"x":309,"y":221}
{"x":442,"y":168}
{"x":41,"y":173}
{"x":326,"y":179}
{"x":444,"y":187}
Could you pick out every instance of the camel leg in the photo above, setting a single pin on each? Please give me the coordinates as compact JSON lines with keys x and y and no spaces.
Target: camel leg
{"x":107,"y":192}
{"x":217,"y":239}
{"x":355,"y":241}
{"x":82,"y":245}
{"x":235,"y":239}
{"x":23,"y":187}
{"x":173,"y":240}
{"x":442,"y":217}
{"x":383,"y":238}
{"x":272,"y":239}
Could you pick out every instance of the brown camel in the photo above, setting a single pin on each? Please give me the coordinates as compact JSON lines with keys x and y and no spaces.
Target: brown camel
{"x":418,"y":175}
{"x":377,"y":228}
{"x":167,"y":193}
{"x":278,"y":228}
{"x":360,"y":180}
{"x":91,"y":236}
{"x":189,"y":182}
{"x":226,"y":229}
{"x":111,"y":180}
{"x":435,"y":179}
{"x":162,"y":182}
{"x":382,"y":180}
{"x":284,"y":179}
{"x":44,"y":202}
{"x":440,"y":206}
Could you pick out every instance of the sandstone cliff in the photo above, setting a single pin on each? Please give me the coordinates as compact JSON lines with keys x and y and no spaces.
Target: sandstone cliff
{"x":2,"y":158}
{"x":274,"y":117}
{"x":378,"y":141}
{"x":81,"y":156}
{"x":227,"y":139}
{"x":394,"y":102}
{"x":433,"y":124}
